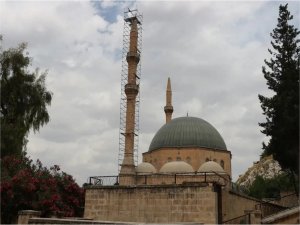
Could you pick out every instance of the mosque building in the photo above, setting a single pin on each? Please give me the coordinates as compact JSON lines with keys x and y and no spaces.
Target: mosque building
{"x":186,"y":140}
{"x":183,"y":173}
{"x":184,"y":177}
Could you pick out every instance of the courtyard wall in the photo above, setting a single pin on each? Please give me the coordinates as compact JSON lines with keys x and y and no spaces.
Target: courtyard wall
{"x":152,"y":204}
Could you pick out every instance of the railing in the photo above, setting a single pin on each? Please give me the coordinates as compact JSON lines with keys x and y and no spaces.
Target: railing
{"x":104,"y":180}
{"x":163,"y":179}
{"x":244,"y":219}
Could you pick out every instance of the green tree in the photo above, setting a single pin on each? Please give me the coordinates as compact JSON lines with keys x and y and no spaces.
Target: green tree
{"x":282,"y":109}
{"x":270,"y":187}
{"x":24,"y":100}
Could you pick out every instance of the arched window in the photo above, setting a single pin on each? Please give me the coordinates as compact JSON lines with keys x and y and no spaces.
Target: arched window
{"x":222,"y":163}
{"x":178,"y":158}
{"x":215,"y":160}
{"x":207,"y":159}
{"x":188,"y":159}
{"x":169,"y":159}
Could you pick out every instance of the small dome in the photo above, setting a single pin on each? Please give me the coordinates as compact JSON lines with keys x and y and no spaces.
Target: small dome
{"x":145,"y":168}
{"x":211,"y":166}
{"x":176,"y":167}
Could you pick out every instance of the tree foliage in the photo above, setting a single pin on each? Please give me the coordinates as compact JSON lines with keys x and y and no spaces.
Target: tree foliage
{"x":270,"y":187}
{"x":282,"y":109}
{"x":27,"y":185}
{"x":24,"y":99}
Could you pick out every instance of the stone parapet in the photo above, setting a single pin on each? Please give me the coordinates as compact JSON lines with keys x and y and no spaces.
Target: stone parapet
{"x":152,"y":204}
{"x":25,"y":215}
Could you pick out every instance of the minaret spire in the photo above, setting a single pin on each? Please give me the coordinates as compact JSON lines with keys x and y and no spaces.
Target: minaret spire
{"x":168,"y":108}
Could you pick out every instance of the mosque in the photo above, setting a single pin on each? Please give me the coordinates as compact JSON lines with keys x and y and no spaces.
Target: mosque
{"x":184,"y":177}
{"x":185,"y":145}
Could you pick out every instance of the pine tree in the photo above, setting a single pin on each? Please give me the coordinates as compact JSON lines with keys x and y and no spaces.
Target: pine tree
{"x":282,"y":109}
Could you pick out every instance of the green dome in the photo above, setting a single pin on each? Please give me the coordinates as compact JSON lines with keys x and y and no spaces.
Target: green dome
{"x":187,"y":132}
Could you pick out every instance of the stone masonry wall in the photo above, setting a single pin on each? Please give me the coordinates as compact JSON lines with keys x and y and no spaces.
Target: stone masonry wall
{"x":193,"y":156}
{"x":155,"y":204}
{"x":234,"y":205}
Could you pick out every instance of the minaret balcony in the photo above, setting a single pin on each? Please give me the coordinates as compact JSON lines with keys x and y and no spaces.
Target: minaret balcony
{"x":133,"y":56}
{"x":131,"y":89}
{"x":168,"y":109}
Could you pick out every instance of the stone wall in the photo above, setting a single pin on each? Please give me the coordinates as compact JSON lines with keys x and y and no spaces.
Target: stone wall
{"x":25,"y":215}
{"x":234,"y":204}
{"x":154,"y":204}
{"x":194,"y":156}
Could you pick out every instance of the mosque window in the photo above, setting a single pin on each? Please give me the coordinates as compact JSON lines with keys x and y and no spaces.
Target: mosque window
{"x":188,"y":159}
{"x":169,"y":159}
{"x":222,"y":163}
{"x":207,"y":159}
{"x":215,"y":160}
{"x":178,"y":158}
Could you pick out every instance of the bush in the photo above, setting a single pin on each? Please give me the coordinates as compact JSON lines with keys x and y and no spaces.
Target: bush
{"x":27,"y":185}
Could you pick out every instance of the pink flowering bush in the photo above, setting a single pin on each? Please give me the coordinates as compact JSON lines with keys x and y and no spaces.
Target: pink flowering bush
{"x":27,"y":185}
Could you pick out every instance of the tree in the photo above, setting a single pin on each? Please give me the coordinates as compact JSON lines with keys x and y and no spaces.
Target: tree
{"x":27,"y":185}
{"x":270,"y":187}
{"x":282,"y":109}
{"x":24,"y":100}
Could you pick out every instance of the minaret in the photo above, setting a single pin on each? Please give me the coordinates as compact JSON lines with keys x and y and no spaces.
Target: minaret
{"x":168,"y":108}
{"x":131,"y":91}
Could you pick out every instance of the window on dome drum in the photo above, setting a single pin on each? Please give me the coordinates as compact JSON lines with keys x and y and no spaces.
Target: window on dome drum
{"x":169,"y":159}
{"x":215,"y":160}
{"x":222,"y":163}
{"x":188,"y":159}
{"x":178,"y":158}
{"x":207,"y":159}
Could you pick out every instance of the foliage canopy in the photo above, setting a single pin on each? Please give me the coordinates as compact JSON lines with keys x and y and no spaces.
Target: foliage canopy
{"x":24,"y":99}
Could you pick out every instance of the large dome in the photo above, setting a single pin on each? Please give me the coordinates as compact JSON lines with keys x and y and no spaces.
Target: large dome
{"x":187,"y":132}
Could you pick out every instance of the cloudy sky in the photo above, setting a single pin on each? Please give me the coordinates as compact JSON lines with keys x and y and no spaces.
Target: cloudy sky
{"x":213,"y":52}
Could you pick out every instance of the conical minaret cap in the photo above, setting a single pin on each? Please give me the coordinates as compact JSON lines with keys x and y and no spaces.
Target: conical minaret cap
{"x":168,"y":108}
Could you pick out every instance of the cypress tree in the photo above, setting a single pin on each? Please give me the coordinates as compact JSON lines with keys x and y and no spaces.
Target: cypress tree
{"x":282,"y":109}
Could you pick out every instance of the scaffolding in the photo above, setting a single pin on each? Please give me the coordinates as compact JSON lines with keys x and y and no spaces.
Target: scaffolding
{"x":128,"y":14}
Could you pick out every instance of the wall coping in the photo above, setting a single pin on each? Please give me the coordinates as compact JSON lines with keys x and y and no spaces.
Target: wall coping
{"x":208,"y":184}
{"x":279,"y":215}
{"x":29,"y":212}
{"x":89,"y":221}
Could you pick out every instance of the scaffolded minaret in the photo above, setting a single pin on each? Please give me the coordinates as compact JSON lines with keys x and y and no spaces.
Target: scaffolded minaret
{"x":131,"y":90}
{"x":168,"y":108}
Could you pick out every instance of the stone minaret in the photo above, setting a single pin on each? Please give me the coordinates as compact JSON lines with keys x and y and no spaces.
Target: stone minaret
{"x":168,"y":108}
{"x":131,"y":91}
